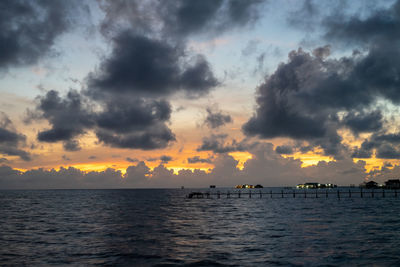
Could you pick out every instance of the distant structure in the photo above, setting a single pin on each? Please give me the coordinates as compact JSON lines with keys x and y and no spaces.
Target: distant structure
{"x":244,"y":186}
{"x":370,"y":185}
{"x":392,"y":184}
{"x":212,"y":186}
{"x":315,"y":186}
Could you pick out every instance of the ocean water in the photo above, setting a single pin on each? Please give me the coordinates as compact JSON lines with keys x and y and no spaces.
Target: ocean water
{"x":163,"y":228}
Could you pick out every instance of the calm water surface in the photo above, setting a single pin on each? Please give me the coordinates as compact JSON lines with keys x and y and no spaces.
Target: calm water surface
{"x":162,"y":227}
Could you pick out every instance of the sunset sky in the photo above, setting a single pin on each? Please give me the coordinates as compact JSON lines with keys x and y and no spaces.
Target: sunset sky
{"x":126,"y":94}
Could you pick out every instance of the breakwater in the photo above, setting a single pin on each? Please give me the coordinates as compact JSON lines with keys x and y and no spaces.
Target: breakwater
{"x":307,"y":193}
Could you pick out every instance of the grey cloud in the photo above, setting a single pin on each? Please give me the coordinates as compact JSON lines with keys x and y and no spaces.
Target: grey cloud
{"x":362,"y":152}
{"x":134,"y":123}
{"x":322,"y":52}
{"x":10,"y":140}
{"x":69,"y":117}
{"x":150,"y":67}
{"x":64,"y":178}
{"x":137,"y":175}
{"x":129,"y":159}
{"x":387,"y":146}
{"x":127,"y":115}
{"x":165,"y":158}
{"x":209,"y":16}
{"x":266,"y":167}
{"x":122,"y":122}
{"x":180,"y":18}
{"x":28,"y":29}
{"x":307,"y":17}
{"x":217,"y":143}
{"x":302,"y":99}
{"x":216,"y":119}
{"x":197,"y":159}
{"x":381,"y":24}
{"x":250,"y":48}
{"x":186,"y":17}
{"x":387,"y":151}
{"x":363,"y":122}
{"x":284,"y":150}
{"x":155,"y":137}
{"x":71,"y":145}
{"x":276,"y":114}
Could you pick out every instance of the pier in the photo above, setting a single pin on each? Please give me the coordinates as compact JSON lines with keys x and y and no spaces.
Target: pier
{"x":307,"y":193}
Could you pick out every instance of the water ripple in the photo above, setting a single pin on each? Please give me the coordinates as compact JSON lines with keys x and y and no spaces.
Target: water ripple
{"x":162,"y":228}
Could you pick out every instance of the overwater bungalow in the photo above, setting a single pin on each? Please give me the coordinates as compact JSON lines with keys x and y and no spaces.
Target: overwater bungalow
{"x":244,"y":186}
{"x":392,"y":184}
{"x":315,"y":186}
{"x":370,"y":185}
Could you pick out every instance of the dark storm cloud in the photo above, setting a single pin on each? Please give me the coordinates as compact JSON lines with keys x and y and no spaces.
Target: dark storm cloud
{"x":364,"y":152}
{"x":217,"y":143}
{"x":280,"y":109}
{"x":210,"y":16}
{"x":165,"y":158}
{"x":71,"y":145}
{"x":387,"y":146}
{"x":180,"y":18}
{"x":363,"y":122}
{"x":29,"y":29}
{"x":185,"y":17}
{"x":118,"y":122}
{"x":216,"y":119}
{"x":130,"y":84}
{"x":322,"y":52}
{"x":10,"y":140}
{"x":304,"y":96}
{"x":197,"y":159}
{"x":306,"y":17}
{"x":140,"y":65}
{"x":129,"y":159}
{"x":284,"y":149}
{"x":149,"y":62}
{"x":135,"y":123}
{"x":68,"y":116}
{"x":382,"y":24}
{"x":387,"y":151}
{"x":155,"y":137}
{"x":125,"y":115}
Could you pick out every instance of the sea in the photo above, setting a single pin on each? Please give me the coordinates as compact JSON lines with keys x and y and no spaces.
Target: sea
{"x":162,"y":227}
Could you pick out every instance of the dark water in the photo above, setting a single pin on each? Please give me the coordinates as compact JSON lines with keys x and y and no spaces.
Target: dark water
{"x":162,"y":227}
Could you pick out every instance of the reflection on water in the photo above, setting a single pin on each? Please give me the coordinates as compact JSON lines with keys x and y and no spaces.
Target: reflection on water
{"x":157,"y":227}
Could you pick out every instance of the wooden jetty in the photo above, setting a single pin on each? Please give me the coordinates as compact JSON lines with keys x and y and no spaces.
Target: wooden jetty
{"x":307,"y":193}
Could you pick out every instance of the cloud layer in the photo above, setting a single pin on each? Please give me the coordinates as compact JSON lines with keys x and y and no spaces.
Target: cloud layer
{"x":266,"y":167}
{"x":29,"y":29}
{"x":10,"y":140}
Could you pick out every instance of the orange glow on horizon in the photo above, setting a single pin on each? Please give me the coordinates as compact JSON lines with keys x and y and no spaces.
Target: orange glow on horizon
{"x":309,"y":158}
{"x":242,"y":157}
{"x":372,"y":164}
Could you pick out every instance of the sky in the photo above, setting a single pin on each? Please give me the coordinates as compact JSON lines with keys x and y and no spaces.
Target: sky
{"x":163,"y":94}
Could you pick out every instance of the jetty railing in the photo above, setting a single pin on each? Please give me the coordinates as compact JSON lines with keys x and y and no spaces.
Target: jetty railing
{"x":306,"y":193}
